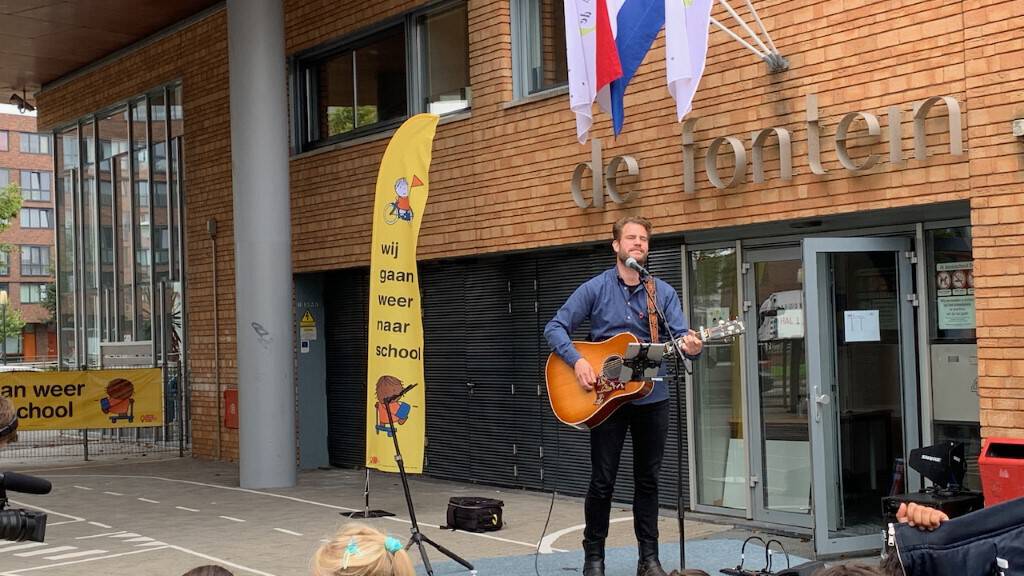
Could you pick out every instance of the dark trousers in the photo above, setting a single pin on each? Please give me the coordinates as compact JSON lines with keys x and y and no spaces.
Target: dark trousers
{"x":648,"y":425}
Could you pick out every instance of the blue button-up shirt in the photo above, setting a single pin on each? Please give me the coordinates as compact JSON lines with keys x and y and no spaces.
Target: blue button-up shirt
{"x":613,"y":308}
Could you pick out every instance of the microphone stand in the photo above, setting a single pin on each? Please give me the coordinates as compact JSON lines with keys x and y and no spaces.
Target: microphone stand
{"x":677,"y":347}
{"x":417,"y":537}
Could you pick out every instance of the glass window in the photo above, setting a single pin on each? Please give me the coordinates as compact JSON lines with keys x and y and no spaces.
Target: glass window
{"x":444,"y":51}
{"x":365,"y":84}
{"x":718,"y":412}
{"x":67,"y":182}
{"x":34,"y":143}
{"x":5,"y":263}
{"x":35,"y":186}
{"x":360,"y":86}
{"x":542,"y":57}
{"x":33,"y":293}
{"x":4,"y":141}
{"x":35,"y":260}
{"x":36,"y":218}
{"x":5,"y":176}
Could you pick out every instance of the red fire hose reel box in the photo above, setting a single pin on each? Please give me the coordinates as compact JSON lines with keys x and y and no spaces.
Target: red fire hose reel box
{"x":1002,"y":469}
{"x":231,"y":408}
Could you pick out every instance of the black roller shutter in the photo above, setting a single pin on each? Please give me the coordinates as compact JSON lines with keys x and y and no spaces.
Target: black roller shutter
{"x":444,"y":326}
{"x":346,"y":308}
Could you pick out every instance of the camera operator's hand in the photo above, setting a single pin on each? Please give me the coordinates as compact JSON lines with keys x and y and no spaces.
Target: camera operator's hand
{"x":921,"y":517}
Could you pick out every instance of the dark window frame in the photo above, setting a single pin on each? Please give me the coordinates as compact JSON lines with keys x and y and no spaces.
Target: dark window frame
{"x":303,"y":77}
{"x":29,"y":210}
{"x":32,"y":268}
{"x":26,"y":139}
{"x":43,"y":193}
{"x":522,"y":13}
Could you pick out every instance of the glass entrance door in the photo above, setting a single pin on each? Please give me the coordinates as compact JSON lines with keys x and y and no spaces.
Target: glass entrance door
{"x":862,"y":379}
{"x":780,"y":439}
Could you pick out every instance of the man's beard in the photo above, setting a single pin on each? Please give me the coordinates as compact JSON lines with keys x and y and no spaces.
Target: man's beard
{"x":624,"y":255}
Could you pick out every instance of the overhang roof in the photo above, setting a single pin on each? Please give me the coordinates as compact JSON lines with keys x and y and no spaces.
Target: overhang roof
{"x":43,"y":40}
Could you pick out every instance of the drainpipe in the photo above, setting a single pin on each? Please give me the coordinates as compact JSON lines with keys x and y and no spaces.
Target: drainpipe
{"x":211,"y":228}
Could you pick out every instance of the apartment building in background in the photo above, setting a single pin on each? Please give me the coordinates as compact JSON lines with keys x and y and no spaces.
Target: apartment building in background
{"x":26,"y":269}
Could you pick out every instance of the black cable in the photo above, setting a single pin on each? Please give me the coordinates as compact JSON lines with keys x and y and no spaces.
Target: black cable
{"x":536,"y":553}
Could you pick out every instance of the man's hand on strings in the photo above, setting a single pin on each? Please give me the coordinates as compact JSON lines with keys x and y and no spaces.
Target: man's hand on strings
{"x":585,"y":376}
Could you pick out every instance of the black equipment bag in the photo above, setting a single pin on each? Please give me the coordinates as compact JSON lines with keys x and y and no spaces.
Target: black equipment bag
{"x":474,"y":514}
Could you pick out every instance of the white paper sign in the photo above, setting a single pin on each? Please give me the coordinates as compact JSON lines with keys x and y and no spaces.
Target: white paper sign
{"x":791,"y":323}
{"x":956,"y":313}
{"x":862,"y":326}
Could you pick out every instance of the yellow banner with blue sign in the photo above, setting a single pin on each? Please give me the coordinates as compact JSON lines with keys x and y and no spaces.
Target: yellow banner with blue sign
{"x":86,"y":399}
{"x":395,"y":353}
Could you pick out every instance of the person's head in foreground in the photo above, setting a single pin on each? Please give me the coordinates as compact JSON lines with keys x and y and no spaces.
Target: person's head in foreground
{"x":208,"y":570}
{"x":358,"y":550}
{"x":8,"y":421}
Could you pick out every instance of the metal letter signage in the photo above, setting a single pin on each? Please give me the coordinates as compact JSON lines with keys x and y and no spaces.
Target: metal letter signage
{"x":602,"y":177}
{"x":607,"y":177}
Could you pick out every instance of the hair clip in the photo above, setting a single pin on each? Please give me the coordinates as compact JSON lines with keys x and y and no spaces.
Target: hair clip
{"x":351,"y":550}
{"x":392,"y":544}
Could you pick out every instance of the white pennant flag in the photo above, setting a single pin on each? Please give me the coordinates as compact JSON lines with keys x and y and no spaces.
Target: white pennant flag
{"x":686,"y":49}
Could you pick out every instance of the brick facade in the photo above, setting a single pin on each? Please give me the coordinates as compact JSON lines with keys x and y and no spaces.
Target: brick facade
{"x":501,"y":173}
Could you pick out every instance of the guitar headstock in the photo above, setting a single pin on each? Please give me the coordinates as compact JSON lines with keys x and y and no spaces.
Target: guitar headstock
{"x":722,"y":331}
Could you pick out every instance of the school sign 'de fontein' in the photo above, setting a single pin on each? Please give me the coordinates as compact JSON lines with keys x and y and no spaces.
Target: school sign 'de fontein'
{"x":606,"y":178}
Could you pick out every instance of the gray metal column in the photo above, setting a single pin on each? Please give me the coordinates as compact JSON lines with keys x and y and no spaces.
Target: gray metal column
{"x":263,"y":264}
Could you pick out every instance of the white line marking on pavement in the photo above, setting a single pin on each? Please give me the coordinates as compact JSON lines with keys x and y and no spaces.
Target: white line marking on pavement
{"x":140,"y":539}
{"x":545,"y":544}
{"x":288,"y":532}
{"x":153,"y":543}
{"x":22,"y":546}
{"x":82,"y":487}
{"x":217,"y":560}
{"x":52,"y":524}
{"x":283,"y":497}
{"x":99,"y":525}
{"x":46,"y":551}
{"x":150,"y":501}
{"x":125,"y":535}
{"x":75,"y":554}
{"x":19,"y":571}
{"x":186,"y":509}
{"x":113,"y":493}
{"x":47,"y":510}
{"x":232,"y":519}
{"x":100,"y":535}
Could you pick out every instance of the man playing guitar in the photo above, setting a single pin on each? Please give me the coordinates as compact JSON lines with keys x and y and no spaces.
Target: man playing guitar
{"x":616,"y":301}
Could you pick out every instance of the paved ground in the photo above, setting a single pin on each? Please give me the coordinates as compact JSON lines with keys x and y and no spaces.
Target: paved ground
{"x":167,"y":515}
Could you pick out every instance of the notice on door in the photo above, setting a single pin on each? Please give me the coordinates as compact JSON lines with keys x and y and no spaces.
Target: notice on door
{"x":861,"y":325}
{"x":954,"y":292}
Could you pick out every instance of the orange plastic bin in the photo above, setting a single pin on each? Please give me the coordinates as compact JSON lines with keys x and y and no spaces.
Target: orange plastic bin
{"x":1002,"y":469}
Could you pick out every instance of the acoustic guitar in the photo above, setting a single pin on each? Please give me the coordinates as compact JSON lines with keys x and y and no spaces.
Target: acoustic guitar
{"x":581,"y":409}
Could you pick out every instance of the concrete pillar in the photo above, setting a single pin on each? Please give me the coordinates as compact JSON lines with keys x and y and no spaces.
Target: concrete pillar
{"x":262,"y":224}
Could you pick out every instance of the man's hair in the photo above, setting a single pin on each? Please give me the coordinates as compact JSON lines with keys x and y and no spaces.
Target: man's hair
{"x":621,"y":223}
{"x":208,"y":570}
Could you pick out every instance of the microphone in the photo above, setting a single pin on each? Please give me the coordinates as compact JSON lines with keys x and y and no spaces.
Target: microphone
{"x":633,"y":264}
{"x":24,"y":483}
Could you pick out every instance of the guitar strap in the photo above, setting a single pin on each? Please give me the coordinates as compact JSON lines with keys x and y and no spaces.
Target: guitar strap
{"x":652,"y":311}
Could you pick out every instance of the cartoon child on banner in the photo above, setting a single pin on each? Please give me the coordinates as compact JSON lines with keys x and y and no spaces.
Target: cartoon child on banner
{"x":401,"y":208}
{"x":119,"y":404}
{"x":389,"y":386}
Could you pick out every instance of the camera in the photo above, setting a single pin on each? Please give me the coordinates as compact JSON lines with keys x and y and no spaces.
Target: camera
{"x":20,"y":525}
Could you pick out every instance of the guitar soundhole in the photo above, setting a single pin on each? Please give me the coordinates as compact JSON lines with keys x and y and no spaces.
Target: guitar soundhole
{"x":612,"y":368}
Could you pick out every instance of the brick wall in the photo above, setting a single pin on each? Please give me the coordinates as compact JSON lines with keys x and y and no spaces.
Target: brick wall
{"x":994,"y":52}
{"x":500,"y":177}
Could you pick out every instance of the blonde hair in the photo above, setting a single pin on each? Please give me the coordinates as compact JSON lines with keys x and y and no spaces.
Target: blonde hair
{"x":358,"y":550}
{"x":8,"y":420}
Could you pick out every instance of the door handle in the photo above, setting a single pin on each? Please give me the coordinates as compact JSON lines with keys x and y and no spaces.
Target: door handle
{"x":819,"y":401}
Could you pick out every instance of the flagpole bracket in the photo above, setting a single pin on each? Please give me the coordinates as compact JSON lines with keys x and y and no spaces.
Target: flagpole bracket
{"x":776,"y":62}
